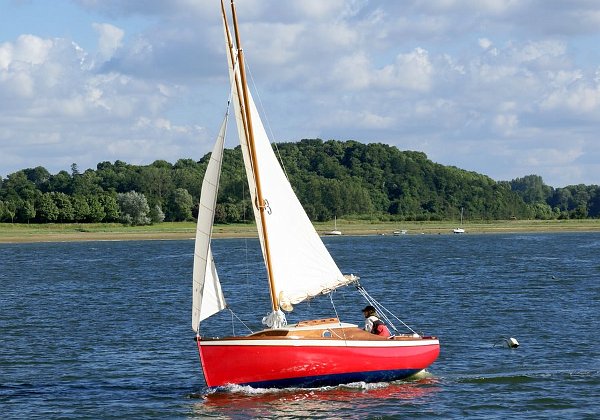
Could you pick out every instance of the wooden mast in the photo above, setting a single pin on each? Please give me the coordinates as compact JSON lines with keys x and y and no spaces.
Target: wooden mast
{"x":261,"y":204}
{"x":233,"y":61}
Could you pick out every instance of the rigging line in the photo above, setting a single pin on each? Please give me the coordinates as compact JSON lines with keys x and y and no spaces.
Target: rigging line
{"x":232,"y":324}
{"x":246,"y":263}
{"x":231,"y":90}
{"x":382,"y":309}
{"x":233,"y":314}
{"x":338,"y":318}
{"x":266,"y":118}
{"x":229,"y":101}
{"x":234,"y":53}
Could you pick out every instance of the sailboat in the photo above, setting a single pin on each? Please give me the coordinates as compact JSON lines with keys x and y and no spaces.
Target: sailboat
{"x":335,"y":230}
{"x":298,"y":267}
{"x":460,"y":229}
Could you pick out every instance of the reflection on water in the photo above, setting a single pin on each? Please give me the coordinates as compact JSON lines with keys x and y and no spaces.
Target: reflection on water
{"x":356,"y":400}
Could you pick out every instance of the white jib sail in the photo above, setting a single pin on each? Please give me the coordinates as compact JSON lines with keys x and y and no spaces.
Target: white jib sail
{"x":207,"y":295}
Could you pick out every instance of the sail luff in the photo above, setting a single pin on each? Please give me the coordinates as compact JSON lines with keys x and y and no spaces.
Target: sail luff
{"x":207,"y":296}
{"x":261,"y":203}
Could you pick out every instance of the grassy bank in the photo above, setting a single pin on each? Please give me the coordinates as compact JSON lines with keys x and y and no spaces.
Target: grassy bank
{"x":183,"y":230}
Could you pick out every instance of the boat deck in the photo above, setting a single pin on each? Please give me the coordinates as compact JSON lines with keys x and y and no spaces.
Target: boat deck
{"x":321,"y":329}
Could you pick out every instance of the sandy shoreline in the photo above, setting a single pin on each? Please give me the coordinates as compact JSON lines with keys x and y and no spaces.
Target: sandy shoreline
{"x":30,"y":235}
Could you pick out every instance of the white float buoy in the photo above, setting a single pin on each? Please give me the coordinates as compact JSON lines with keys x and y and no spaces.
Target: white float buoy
{"x":512,"y":343}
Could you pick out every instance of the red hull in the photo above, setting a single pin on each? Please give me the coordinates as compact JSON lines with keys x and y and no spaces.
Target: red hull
{"x":272,"y":362}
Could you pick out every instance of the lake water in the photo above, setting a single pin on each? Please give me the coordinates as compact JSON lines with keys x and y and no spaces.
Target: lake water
{"x":102,"y":329}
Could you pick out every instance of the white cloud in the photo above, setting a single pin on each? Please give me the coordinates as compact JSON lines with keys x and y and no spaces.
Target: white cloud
{"x":56,"y":109}
{"x":580,"y":100}
{"x":318,"y":9}
{"x":485,"y":43}
{"x":542,"y":51}
{"x":352,"y":72}
{"x":506,"y":123}
{"x":110,"y":39}
{"x":31,"y":49}
{"x":412,"y":71}
{"x":481,"y":85}
{"x":490,"y":7}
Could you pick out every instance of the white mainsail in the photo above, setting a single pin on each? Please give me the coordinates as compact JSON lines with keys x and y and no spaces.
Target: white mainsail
{"x":301,"y":265}
{"x":207,"y":297}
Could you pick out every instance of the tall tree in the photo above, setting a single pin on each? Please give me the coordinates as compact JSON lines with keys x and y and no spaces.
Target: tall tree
{"x":110,"y":206}
{"x":47,"y":211}
{"x":180,"y":205}
{"x":133,"y":208}
{"x":66,"y":213}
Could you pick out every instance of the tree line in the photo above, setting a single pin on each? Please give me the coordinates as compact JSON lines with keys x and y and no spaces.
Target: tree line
{"x":331,"y":178}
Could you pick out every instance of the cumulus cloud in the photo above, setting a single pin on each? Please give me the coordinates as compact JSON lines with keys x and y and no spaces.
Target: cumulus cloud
{"x":56,"y":109}
{"x":412,"y":70}
{"x":110,"y":39}
{"x":480,"y":85}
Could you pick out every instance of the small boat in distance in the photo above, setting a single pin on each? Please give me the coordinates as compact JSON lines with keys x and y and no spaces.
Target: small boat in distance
{"x":335,"y":230}
{"x":298,"y":267}
{"x":460,"y":229}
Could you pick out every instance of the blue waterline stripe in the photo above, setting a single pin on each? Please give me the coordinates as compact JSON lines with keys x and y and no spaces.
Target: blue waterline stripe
{"x":337,"y":379}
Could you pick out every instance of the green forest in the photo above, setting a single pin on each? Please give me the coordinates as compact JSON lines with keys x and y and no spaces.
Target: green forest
{"x":331,"y":178}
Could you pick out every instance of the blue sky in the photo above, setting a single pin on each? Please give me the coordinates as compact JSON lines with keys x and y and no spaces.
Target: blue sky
{"x":504,"y":88}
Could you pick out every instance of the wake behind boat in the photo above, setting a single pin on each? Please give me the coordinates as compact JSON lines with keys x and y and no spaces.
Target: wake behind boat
{"x":298,"y":267}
